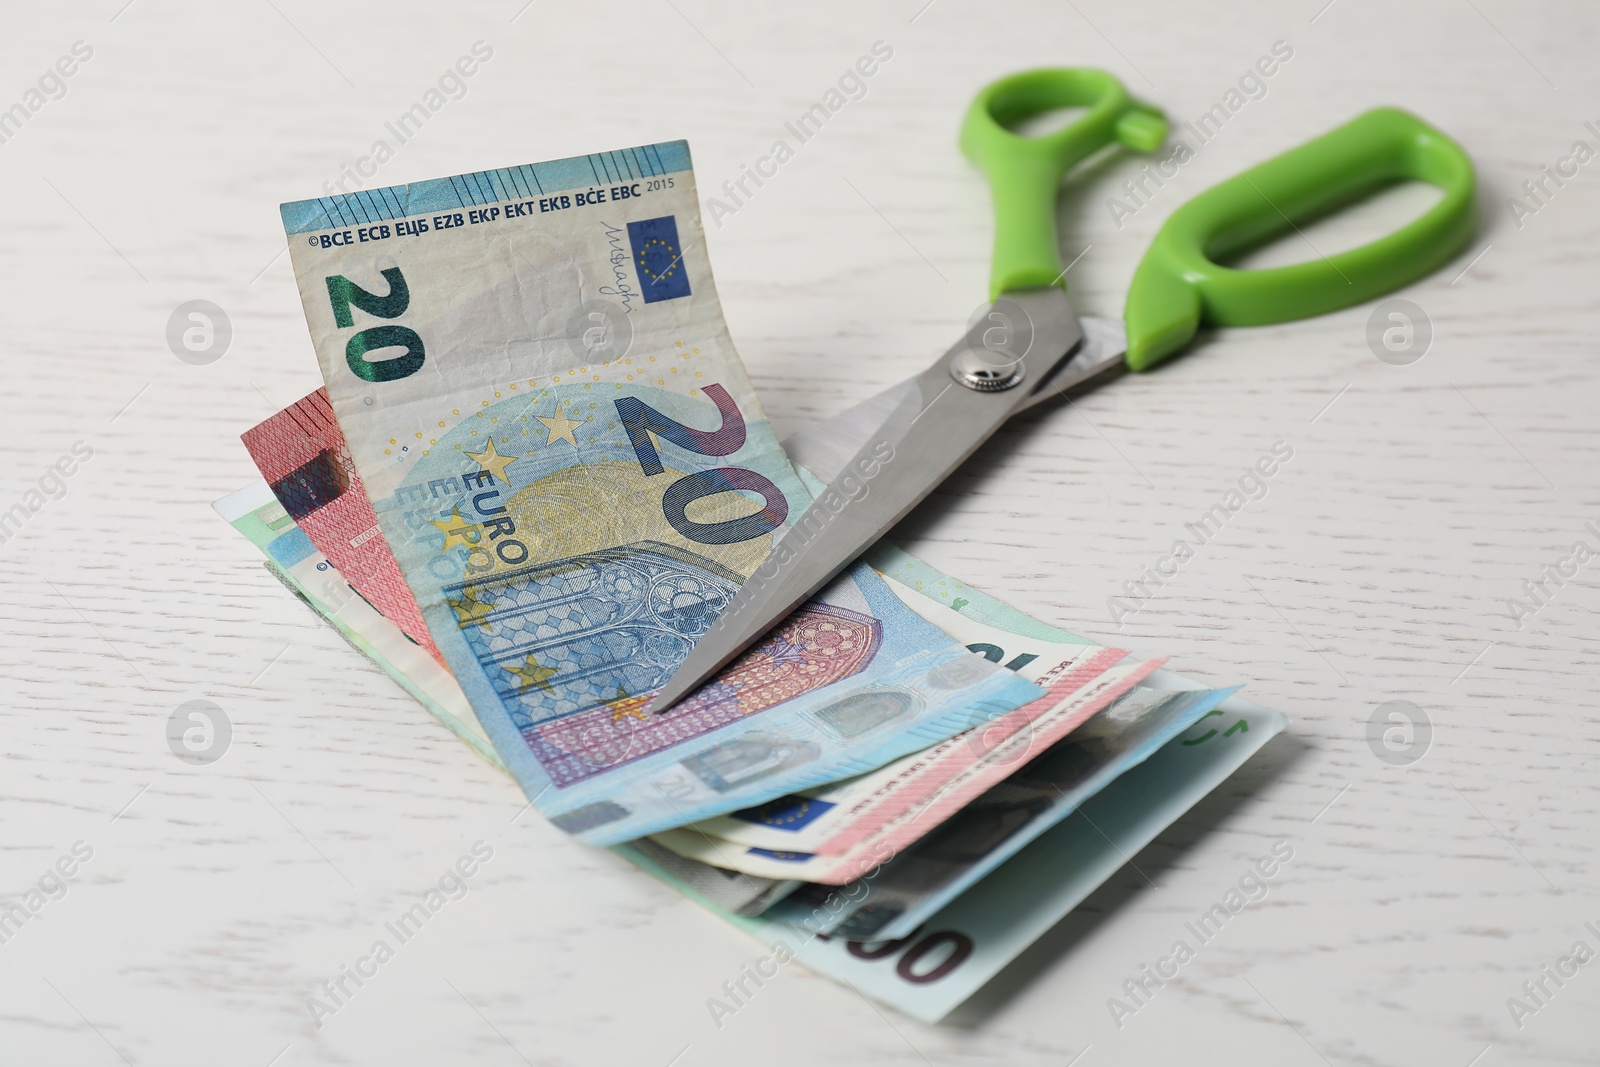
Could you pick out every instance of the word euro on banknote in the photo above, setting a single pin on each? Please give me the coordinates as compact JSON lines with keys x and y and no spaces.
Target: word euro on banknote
{"x":534,"y":381}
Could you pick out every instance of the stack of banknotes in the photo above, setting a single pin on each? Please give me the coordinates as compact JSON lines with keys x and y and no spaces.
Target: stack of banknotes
{"x":536,"y":474}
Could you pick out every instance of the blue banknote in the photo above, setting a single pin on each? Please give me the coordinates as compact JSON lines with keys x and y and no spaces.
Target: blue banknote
{"x":559,"y":656}
{"x":532,"y":375}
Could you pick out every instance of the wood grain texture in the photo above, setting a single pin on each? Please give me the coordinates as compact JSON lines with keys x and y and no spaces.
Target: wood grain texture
{"x":1376,"y":567}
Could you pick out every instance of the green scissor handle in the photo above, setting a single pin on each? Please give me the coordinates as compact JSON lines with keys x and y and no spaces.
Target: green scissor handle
{"x":1025,"y":172}
{"x":1178,"y":284}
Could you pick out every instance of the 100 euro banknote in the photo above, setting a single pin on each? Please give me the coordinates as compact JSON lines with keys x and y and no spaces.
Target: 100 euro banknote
{"x":532,"y":376}
{"x":957,"y":949}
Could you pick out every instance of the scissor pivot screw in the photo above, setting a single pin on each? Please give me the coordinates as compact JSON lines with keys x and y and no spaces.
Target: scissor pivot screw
{"x":985,"y":372}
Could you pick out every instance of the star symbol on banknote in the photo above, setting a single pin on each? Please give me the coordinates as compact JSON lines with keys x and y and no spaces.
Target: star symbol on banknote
{"x":625,"y":705}
{"x":456,"y":529}
{"x":493,"y":461}
{"x":532,"y":674}
{"x":787,"y":814}
{"x":560,"y":427}
{"x":470,"y":610}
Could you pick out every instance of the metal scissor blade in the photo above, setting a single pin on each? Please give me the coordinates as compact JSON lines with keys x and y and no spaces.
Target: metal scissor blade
{"x":823,"y":448}
{"x":1100,"y":358}
{"x":928,"y":430}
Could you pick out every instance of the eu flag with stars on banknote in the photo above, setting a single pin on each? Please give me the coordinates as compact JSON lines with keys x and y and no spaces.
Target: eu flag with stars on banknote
{"x":658,"y":259}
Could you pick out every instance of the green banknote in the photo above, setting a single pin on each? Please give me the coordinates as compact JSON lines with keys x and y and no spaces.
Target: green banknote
{"x":301,"y":566}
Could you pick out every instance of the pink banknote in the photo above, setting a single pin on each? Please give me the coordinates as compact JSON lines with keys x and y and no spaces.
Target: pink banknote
{"x":1007,"y":743}
{"x":302,"y":455}
{"x":962,"y":772}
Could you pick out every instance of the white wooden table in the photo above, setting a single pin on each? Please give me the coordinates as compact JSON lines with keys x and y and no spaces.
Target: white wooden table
{"x":1422,"y":894}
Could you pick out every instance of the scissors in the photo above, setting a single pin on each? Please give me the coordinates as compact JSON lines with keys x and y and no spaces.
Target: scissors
{"x":883,"y":456}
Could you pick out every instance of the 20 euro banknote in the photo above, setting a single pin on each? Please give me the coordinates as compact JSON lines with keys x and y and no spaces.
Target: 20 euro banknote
{"x":533,"y":379}
{"x":327,"y":501}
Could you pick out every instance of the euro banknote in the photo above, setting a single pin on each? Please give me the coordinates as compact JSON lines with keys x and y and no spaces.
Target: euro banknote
{"x":926,"y":790}
{"x":976,"y":935}
{"x":307,"y":428}
{"x":301,"y":453}
{"x":969,"y":941}
{"x":826,"y":819}
{"x":533,"y":380}
{"x":917,"y":881}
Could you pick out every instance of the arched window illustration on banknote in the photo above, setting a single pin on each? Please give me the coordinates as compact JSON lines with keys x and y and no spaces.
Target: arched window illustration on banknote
{"x":574,"y":649}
